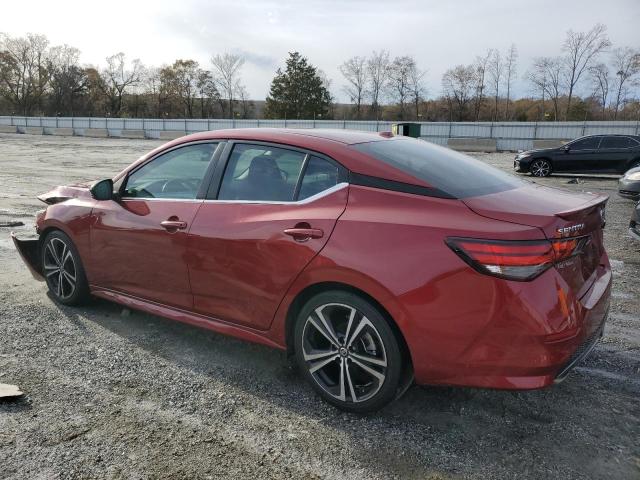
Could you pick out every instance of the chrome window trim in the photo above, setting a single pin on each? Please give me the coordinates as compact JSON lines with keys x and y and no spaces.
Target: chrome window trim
{"x":324,"y":193}
{"x":156,"y":199}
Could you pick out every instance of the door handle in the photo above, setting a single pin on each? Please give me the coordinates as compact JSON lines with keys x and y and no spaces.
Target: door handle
{"x":173,"y":225}
{"x":303,"y":234}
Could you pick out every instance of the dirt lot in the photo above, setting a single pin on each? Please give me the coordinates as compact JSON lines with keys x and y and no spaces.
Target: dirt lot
{"x":116,"y":395}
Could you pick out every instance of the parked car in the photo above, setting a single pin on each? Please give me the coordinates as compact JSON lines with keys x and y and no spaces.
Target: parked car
{"x":629,"y":184}
{"x":372,"y":259}
{"x":634,"y":225}
{"x":590,"y":154}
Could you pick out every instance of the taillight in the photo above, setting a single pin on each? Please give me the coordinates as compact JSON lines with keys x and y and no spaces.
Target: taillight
{"x":518,"y":259}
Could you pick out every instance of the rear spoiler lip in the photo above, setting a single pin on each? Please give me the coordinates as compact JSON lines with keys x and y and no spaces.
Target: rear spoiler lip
{"x":599,"y":200}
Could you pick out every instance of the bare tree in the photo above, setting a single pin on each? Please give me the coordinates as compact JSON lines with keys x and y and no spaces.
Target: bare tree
{"x":546,"y":75}
{"x":207,"y":92}
{"x":246,"y":105}
{"x":117,"y":79}
{"x":496,"y":70}
{"x":150,"y":80}
{"x":23,"y":71}
{"x":398,"y":81}
{"x":68,"y":81}
{"x":582,"y":49}
{"x":354,"y":71}
{"x":227,"y":75}
{"x":626,"y":65}
{"x":458,"y":84}
{"x":417,"y":90}
{"x":481,"y":65}
{"x":510,"y":73}
{"x":377,"y":70}
{"x":600,"y":84}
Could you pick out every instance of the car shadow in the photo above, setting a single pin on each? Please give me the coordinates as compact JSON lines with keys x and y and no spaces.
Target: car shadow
{"x":465,"y":417}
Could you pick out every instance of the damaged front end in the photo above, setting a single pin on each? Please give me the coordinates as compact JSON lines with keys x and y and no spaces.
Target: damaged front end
{"x":29,"y":249}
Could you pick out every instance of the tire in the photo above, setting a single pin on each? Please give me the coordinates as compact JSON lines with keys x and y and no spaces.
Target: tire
{"x":358,"y":374}
{"x":63,"y":270}
{"x":540,"y":168}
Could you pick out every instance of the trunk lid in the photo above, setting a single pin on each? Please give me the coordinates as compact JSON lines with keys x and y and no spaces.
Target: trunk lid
{"x":559,"y":214}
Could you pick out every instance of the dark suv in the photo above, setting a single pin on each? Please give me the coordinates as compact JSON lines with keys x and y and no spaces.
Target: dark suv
{"x":593,"y":153}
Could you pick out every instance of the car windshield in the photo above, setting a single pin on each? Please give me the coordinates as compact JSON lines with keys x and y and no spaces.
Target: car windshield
{"x":458,"y":175}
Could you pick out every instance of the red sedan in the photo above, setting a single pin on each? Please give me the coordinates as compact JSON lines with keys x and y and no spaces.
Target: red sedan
{"x":373,"y":259}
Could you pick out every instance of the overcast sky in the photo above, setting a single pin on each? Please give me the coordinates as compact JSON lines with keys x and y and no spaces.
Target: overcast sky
{"x":438,"y":33}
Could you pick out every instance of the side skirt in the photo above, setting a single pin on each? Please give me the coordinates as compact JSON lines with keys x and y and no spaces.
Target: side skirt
{"x":184,"y":316}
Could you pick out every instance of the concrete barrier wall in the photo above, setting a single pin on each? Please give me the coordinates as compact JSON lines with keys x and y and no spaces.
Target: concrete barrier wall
{"x":473,"y":144}
{"x":32,"y":130}
{"x":548,"y":143}
{"x":8,"y":129}
{"x":63,"y":132}
{"x":96,"y":132}
{"x":132,"y":134}
{"x":171,"y":135}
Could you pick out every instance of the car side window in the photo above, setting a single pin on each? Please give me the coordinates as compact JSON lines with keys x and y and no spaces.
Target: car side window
{"x":319,"y":175}
{"x":261,"y":173}
{"x":615,"y":142}
{"x":177,"y":174}
{"x":589,"y":143}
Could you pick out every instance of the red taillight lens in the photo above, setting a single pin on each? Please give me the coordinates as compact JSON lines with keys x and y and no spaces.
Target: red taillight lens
{"x":514,"y":260}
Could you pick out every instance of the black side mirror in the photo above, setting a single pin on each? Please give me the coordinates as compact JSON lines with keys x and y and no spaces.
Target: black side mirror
{"x":102,"y":190}
{"x":566,"y":148}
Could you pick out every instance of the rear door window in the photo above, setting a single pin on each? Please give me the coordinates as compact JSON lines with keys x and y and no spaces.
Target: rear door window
{"x":615,"y":142}
{"x":261,"y":173}
{"x":453,"y":173}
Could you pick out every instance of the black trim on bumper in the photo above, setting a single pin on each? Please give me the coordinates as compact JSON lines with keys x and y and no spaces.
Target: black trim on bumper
{"x":583,"y":351}
{"x":29,"y":250}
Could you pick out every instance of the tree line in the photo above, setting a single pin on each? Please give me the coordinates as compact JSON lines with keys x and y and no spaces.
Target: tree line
{"x":590,"y":79}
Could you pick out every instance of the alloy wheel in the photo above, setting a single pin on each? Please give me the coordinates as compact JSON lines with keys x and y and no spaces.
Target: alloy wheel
{"x":540,"y":168}
{"x":60,"y":268}
{"x":344,"y":352}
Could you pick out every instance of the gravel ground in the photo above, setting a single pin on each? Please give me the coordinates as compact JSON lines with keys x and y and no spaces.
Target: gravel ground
{"x":118,"y":394}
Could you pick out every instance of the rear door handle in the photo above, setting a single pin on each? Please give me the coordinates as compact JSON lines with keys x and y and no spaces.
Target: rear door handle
{"x":173,"y":225}
{"x":304,"y":234}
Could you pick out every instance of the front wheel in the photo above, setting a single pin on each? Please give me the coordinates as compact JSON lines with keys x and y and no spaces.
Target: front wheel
{"x":63,"y":270}
{"x":540,"y":168}
{"x":348,"y":352}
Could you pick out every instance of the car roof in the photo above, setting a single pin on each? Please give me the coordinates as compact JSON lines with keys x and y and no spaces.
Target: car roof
{"x":293,"y":135}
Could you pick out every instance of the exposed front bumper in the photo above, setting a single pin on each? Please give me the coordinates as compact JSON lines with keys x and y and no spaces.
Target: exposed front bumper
{"x":29,"y":250}
{"x":521,"y":165}
{"x":629,"y":189}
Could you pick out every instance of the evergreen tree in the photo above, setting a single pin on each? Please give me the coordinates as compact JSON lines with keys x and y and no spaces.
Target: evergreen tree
{"x":298,"y":92}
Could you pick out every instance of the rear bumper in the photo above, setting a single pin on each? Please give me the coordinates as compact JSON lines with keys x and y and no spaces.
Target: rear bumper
{"x":29,"y":251}
{"x":537,"y":340}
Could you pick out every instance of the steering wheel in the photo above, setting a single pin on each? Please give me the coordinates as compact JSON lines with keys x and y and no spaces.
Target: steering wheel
{"x":183,"y":185}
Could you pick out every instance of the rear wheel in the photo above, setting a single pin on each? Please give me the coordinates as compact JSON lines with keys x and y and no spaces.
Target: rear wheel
{"x":348,"y":352}
{"x":63,"y":270}
{"x":540,"y":168}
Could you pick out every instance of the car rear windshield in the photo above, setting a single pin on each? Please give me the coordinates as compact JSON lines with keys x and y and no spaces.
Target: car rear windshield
{"x":453,"y":173}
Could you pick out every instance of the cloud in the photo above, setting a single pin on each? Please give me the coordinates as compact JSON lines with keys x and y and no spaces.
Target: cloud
{"x":439,"y":34}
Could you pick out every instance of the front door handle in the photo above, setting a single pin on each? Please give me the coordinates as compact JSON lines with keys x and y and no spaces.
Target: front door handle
{"x":172,"y":225}
{"x":302,"y":234}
